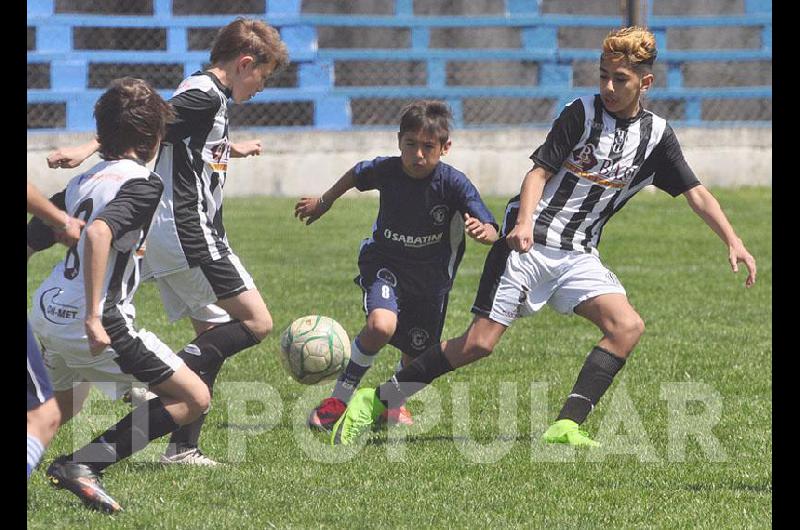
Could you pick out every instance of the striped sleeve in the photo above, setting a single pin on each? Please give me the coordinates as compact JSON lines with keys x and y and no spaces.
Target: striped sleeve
{"x":563,"y":136}
{"x":672,"y":172}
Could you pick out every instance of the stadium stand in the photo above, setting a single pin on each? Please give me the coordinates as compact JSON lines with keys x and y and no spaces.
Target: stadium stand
{"x":498,"y":63}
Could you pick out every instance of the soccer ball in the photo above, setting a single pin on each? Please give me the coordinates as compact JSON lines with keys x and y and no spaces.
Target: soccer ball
{"x":314,"y":348}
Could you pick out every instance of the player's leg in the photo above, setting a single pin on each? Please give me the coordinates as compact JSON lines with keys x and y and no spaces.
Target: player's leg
{"x":229,"y":315}
{"x":380,"y":305}
{"x":505,"y":293}
{"x":43,"y":416}
{"x":593,"y":292}
{"x":183,"y":397}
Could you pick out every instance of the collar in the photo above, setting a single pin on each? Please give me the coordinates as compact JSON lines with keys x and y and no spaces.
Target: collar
{"x":228,"y":92}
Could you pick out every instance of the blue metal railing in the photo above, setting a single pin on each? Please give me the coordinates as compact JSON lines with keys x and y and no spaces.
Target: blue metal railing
{"x":69,"y":67}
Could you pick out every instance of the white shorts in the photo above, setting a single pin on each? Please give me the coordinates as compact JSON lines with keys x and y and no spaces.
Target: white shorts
{"x":194,"y":292}
{"x":516,"y":285}
{"x":146,"y":360}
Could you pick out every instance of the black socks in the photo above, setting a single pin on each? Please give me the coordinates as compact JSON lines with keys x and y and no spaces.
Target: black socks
{"x":593,"y":380}
{"x":414,"y":377}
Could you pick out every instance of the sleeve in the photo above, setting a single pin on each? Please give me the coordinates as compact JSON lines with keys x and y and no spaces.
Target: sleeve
{"x":133,"y":206}
{"x":194,"y":110}
{"x":367,"y":174}
{"x":566,"y":132}
{"x":672,"y":172}
{"x":40,"y":236}
{"x":472,"y":203}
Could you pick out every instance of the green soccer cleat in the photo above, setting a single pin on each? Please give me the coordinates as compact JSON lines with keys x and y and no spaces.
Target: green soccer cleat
{"x":567,"y":432}
{"x":361,"y":413}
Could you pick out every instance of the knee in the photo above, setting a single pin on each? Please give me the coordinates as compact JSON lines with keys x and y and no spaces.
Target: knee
{"x":478,"y":348}
{"x":629,"y":329}
{"x":381,"y":328}
{"x":199,"y":401}
{"x":260,"y":326}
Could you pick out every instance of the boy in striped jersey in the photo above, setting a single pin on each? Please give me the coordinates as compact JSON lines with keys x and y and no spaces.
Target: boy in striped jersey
{"x":601,"y":151}
{"x":197,"y":273}
{"x":83,"y":312}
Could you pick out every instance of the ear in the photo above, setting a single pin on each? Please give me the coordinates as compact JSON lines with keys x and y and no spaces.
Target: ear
{"x":399,"y":141}
{"x":446,"y":147}
{"x":647,"y":82}
{"x":244,"y":61}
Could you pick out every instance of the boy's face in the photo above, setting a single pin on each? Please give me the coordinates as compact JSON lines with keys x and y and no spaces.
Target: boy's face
{"x":420,"y":152}
{"x":250,"y":78}
{"x":621,"y":87}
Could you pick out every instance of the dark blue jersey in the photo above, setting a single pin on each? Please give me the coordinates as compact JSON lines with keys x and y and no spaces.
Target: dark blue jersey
{"x":420,"y":224}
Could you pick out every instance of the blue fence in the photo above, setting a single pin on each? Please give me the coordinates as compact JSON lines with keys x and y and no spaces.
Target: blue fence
{"x":62,"y":94}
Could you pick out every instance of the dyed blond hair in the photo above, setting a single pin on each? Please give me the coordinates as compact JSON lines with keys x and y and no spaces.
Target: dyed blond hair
{"x":635,"y":44}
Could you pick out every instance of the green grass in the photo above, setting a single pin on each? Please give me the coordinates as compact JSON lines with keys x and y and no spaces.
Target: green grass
{"x":702,"y":327}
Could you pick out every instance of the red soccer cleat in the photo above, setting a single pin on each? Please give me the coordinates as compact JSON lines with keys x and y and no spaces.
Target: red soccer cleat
{"x":398,"y":416}
{"x":326,"y":414}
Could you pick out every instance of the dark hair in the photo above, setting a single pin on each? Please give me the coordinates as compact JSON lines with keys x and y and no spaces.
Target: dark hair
{"x":131,"y":115}
{"x":432,"y":117}
{"x":250,"y":37}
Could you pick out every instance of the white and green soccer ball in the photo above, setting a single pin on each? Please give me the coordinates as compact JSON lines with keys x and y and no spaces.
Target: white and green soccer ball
{"x":314,"y":348}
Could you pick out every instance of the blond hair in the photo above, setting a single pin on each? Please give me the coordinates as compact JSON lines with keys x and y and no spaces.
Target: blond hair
{"x":635,"y":44}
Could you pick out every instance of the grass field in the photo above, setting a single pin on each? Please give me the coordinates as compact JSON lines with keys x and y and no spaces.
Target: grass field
{"x":705,"y":334}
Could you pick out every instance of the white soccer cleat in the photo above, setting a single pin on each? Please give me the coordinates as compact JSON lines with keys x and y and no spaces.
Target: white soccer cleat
{"x":192,"y":456}
{"x":138,"y":395}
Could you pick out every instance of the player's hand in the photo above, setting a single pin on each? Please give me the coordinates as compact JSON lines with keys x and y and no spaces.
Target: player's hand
{"x":98,"y":338}
{"x":309,"y":209}
{"x":69,"y":237}
{"x":483,"y":233}
{"x":520,"y":238}
{"x":247,"y":148}
{"x":738,"y":253}
{"x":67,"y":157}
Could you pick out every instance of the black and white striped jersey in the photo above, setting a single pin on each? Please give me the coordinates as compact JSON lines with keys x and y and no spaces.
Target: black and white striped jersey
{"x":599,"y":162}
{"x":193,"y":160}
{"x":124,"y":194}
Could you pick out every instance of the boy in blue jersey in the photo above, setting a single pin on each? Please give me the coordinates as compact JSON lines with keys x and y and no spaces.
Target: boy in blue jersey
{"x":407,"y":266}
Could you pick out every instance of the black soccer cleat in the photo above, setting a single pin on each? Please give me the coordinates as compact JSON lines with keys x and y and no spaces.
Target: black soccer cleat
{"x":84,"y":482}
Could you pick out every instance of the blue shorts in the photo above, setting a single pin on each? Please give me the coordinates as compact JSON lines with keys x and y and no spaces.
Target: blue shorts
{"x":39,"y":388}
{"x":420,"y":319}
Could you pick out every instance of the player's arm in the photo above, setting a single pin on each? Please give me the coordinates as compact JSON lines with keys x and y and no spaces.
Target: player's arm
{"x":706,"y":206}
{"x":95,"y":256}
{"x":520,"y":238}
{"x":66,"y":229}
{"x":312,"y":208}
{"x":245,"y":148}
{"x":69,"y":157}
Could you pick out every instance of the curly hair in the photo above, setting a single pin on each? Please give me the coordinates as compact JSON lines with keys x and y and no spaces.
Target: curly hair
{"x":635,"y":44}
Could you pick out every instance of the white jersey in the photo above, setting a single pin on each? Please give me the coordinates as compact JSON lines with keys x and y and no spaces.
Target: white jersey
{"x":193,"y":159}
{"x":124,"y":194}
{"x":599,"y":162}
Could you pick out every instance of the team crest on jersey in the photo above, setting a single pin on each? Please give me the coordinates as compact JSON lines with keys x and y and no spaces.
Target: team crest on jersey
{"x":419,"y":338}
{"x":55,"y":312}
{"x":439,"y":214}
{"x":584,"y":156}
{"x":620,"y":135}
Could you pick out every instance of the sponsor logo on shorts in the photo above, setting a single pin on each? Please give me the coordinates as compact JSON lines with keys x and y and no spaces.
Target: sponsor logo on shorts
{"x":387,"y":276}
{"x":55,"y":312}
{"x":413,"y":241}
{"x":439,"y":214}
{"x":419,"y":338}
